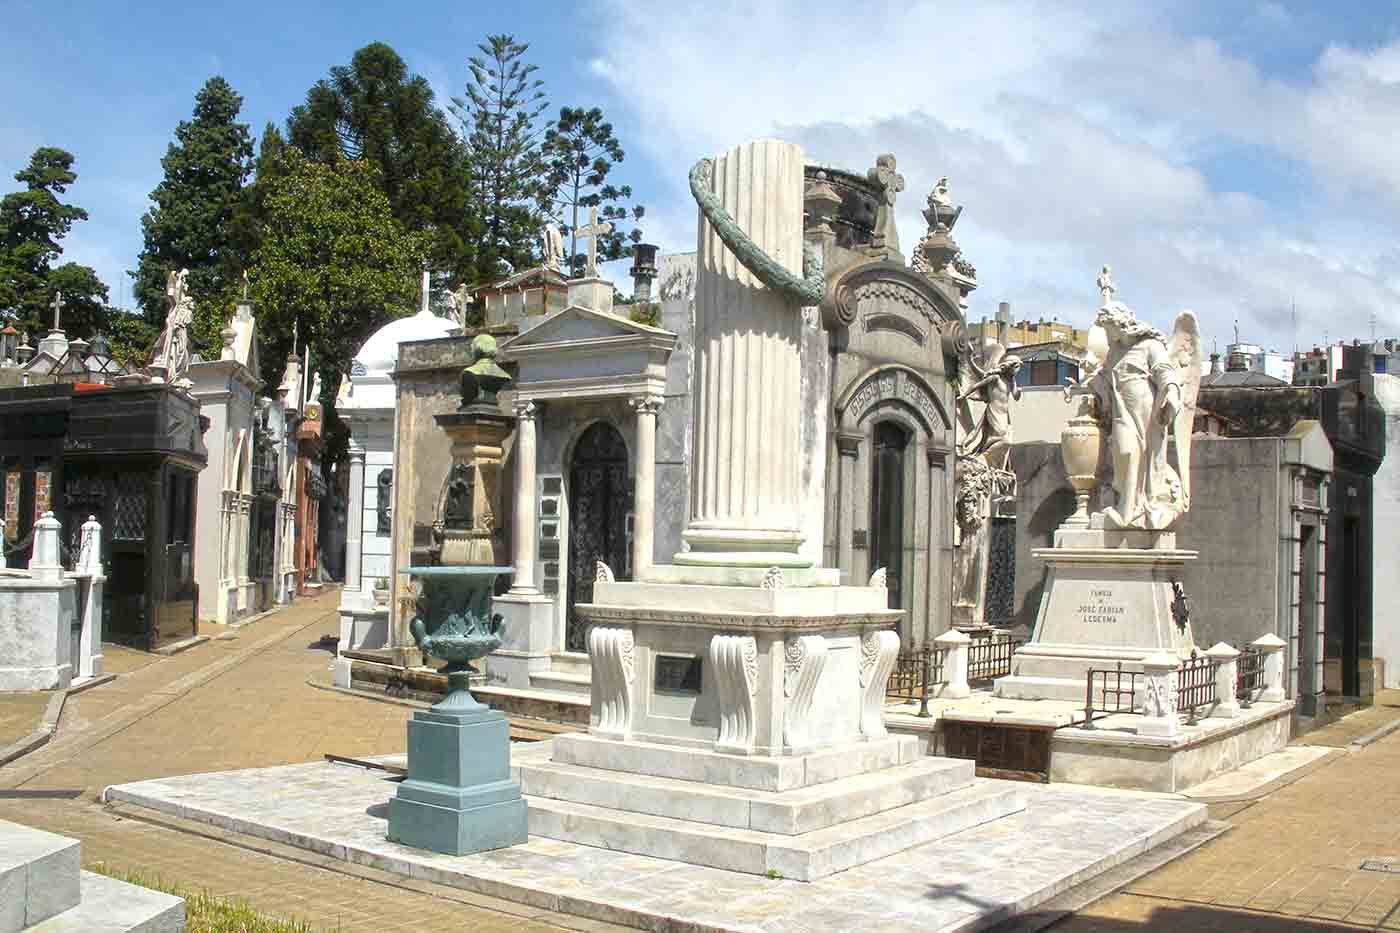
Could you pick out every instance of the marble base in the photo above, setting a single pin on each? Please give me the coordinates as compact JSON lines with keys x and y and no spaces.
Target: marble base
{"x":1102,"y":606}
{"x":38,"y":625}
{"x":459,"y":796}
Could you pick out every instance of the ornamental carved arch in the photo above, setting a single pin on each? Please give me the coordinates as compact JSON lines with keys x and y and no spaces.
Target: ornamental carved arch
{"x":892,"y":382}
{"x":883,"y":295}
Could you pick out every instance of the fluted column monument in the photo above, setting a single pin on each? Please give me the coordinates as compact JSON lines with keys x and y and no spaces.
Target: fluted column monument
{"x":745,"y":480}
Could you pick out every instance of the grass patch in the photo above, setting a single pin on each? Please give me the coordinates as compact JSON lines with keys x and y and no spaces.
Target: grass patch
{"x":209,"y":913}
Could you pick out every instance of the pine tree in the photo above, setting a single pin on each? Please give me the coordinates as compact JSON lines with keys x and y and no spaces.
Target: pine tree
{"x":581,"y":151}
{"x":374,"y":110}
{"x":190,"y":226}
{"x":505,"y":164}
{"x":33,"y":221}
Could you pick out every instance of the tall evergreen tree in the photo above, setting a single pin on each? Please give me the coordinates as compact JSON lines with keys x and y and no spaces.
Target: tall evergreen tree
{"x":506,"y":167}
{"x":374,"y":110}
{"x":190,"y":224}
{"x":581,"y":151}
{"x":33,"y":221}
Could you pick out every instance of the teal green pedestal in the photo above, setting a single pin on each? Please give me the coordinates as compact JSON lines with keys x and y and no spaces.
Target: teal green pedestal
{"x":458,"y":797}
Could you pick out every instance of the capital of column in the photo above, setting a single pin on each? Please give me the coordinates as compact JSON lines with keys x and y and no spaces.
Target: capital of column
{"x":526,"y":410}
{"x":646,"y":404}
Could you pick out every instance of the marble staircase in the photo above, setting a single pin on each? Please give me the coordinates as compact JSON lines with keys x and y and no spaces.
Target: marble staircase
{"x":44,"y":890}
{"x":802,"y":817}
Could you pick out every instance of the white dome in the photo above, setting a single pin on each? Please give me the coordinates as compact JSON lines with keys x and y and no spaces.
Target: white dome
{"x":380,"y":353}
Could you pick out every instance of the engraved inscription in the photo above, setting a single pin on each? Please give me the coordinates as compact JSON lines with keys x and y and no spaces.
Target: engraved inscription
{"x":1100,"y":607}
{"x":677,"y":674}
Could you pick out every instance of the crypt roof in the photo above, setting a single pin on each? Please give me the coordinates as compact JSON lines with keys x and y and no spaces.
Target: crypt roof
{"x":380,"y":353}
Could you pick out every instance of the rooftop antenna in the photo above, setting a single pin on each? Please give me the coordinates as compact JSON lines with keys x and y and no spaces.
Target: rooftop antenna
{"x":1237,"y":330}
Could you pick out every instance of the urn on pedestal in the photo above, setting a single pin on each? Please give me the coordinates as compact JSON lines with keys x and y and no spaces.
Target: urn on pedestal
{"x":1081,"y":442}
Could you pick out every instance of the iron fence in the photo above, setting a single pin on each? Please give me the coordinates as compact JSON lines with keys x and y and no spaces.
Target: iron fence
{"x":1195,"y":686}
{"x":916,"y":671}
{"x":1249,"y":675}
{"x":990,"y":658}
{"x":1116,"y":692}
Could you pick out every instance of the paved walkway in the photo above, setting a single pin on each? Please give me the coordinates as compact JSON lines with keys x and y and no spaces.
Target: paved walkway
{"x":237,"y":701}
{"x":20,"y":714}
{"x":1291,"y":863}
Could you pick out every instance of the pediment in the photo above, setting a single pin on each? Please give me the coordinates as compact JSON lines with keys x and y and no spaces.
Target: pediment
{"x":579,"y":326}
{"x":886,"y":291}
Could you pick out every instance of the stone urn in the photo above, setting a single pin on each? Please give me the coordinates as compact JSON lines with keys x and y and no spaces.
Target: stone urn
{"x":381,"y":592}
{"x":1080,"y":444}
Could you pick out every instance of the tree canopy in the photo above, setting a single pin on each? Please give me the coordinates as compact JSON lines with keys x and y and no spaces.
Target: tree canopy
{"x":505,"y":165}
{"x":191,"y":222}
{"x":581,"y":151}
{"x":374,"y":111}
{"x":33,"y":222}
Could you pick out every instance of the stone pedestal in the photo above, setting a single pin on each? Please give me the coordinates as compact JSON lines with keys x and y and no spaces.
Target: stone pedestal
{"x":1106,"y":602}
{"x":592,"y":292}
{"x":528,"y":639}
{"x":459,"y":796}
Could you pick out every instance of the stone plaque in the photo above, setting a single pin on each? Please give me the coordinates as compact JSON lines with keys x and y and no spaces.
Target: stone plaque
{"x":677,"y":674}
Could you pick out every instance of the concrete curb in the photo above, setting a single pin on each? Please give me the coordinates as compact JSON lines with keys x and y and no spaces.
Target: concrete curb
{"x":1268,"y":787}
{"x":48,"y":725}
{"x":1375,"y":735}
{"x":175,"y":648}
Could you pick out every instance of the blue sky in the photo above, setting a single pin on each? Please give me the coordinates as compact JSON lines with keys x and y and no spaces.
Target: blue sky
{"x":1230,"y":157}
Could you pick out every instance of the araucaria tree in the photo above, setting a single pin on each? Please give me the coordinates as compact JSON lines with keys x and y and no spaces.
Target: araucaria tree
{"x":333,"y":263}
{"x":374,"y":111}
{"x":505,"y":165}
{"x":33,"y":221}
{"x":190,"y":224}
{"x":580,"y":151}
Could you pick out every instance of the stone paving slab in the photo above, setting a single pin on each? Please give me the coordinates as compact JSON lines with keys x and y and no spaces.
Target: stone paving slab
{"x":962,"y":882}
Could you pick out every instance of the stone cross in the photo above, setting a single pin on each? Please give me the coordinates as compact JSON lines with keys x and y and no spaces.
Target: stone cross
{"x":57,"y":306}
{"x":886,"y":235}
{"x":591,"y":234}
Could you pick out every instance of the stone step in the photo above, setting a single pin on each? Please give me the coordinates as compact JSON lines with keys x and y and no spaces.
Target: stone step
{"x":571,"y":684}
{"x":571,"y":662}
{"x":787,"y":813}
{"x":38,"y":876}
{"x":755,"y":772}
{"x":806,"y":857}
{"x":112,"y":906}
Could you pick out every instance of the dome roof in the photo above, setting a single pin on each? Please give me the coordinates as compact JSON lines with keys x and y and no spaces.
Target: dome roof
{"x":380,"y":353}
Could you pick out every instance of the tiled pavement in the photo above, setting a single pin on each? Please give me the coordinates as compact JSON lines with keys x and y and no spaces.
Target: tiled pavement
{"x":1290,"y":864}
{"x":236,"y":703}
{"x":20,"y":714}
{"x":1292,"y":861}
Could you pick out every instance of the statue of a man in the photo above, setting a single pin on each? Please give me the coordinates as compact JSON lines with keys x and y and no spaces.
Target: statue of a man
{"x":1146,"y":393}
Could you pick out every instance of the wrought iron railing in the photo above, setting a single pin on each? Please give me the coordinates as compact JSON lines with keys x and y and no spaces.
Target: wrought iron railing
{"x":1249,"y":675}
{"x":1110,"y":690}
{"x":990,"y":658}
{"x":916,"y":672}
{"x":1195,"y":686}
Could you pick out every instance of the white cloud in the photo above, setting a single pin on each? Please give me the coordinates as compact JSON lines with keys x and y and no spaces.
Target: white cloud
{"x":1075,"y":136}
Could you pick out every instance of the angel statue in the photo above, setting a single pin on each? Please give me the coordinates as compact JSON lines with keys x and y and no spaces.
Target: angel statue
{"x":172,"y":349}
{"x":551,"y":247}
{"x":1146,"y":391}
{"x":994,"y":384}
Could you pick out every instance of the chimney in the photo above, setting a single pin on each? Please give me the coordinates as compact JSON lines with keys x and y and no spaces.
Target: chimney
{"x":643,"y":271}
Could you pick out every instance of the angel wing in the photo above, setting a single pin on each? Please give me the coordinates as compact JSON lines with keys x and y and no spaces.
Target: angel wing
{"x":1185,"y":349}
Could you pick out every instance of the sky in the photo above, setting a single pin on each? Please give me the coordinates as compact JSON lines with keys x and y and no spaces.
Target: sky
{"x":1239,"y":159}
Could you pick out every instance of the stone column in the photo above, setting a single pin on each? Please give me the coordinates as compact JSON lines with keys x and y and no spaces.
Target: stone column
{"x":1272,"y":646}
{"x":848,"y":454}
{"x":353,"y":593}
{"x":523,"y":534}
{"x":955,"y":646}
{"x":1159,"y":696}
{"x":748,"y":382}
{"x":1226,"y":659}
{"x":644,"y":485}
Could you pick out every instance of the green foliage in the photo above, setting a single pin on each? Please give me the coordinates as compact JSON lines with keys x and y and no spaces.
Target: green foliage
{"x":374,"y":111}
{"x":505,"y":164}
{"x":206,"y":912}
{"x":191,"y":223}
{"x":581,"y":151}
{"x":33,"y":221}
{"x":333,"y":263}
{"x":131,"y":338}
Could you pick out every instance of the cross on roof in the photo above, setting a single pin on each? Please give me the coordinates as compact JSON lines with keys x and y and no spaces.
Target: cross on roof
{"x":57,"y":305}
{"x":591,"y":234}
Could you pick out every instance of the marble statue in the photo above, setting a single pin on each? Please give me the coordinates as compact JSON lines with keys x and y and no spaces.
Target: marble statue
{"x":1105,"y":283}
{"x":551,"y":247}
{"x":461,"y":300}
{"x":940,"y":195}
{"x":173,"y":348}
{"x":994,"y":384}
{"x":1145,"y":391}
